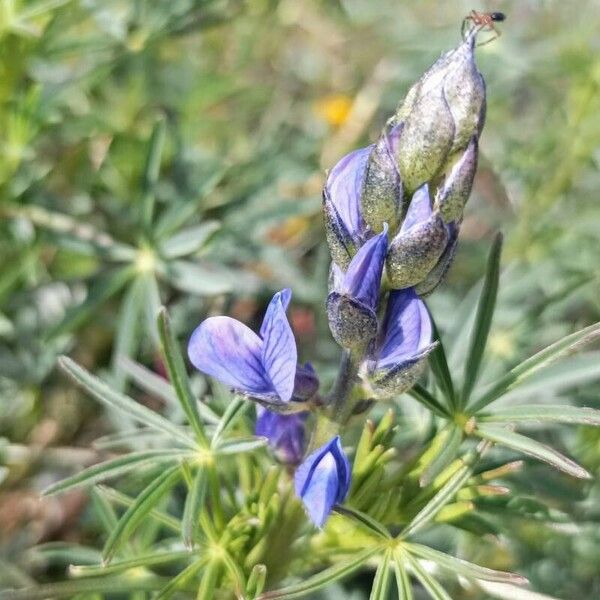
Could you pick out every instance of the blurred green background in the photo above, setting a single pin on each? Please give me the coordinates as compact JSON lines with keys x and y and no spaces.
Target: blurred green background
{"x":173,"y":152}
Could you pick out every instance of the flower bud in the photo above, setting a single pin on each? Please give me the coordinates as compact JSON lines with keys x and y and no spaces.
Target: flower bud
{"x":418,"y":245}
{"x":352,"y":305}
{"x":345,"y":227}
{"x":285,"y":434}
{"x":441,"y":113}
{"x":402,"y":347}
{"x":323,"y":480}
{"x":454,"y":191}
{"x":437,"y":274}
{"x":382,"y":193}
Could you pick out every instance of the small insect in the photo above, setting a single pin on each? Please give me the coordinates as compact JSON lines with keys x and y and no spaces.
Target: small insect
{"x":483,"y":22}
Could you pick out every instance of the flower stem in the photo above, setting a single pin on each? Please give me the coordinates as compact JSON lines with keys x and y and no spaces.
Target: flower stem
{"x":339,"y":405}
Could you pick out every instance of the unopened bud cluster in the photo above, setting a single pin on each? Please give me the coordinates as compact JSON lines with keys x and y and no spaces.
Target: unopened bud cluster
{"x":393,"y":212}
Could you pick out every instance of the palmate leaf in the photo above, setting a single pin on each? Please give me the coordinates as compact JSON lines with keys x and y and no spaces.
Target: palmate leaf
{"x":189,"y":240}
{"x":235,"y":409}
{"x":431,"y":585}
{"x":210,"y":577}
{"x":364,"y":521}
{"x":104,"y":287}
{"x":542,"y":413}
{"x":567,"y":345}
{"x":440,"y":369}
{"x":240,"y":445}
{"x":114,"y":584}
{"x":115,"y":467}
{"x":521,"y":443}
{"x":402,"y":579}
{"x":178,"y":376}
{"x":135,"y":514}
{"x":445,"y":494}
{"x":483,"y":319}
{"x":146,"y":560}
{"x":381,"y":582}
{"x":324,"y":578}
{"x":421,"y":395}
{"x":505,"y":591}
{"x":463,"y":567}
{"x":180,"y":580}
{"x":448,"y":449}
{"x":122,"y":403}
{"x":152,"y":170}
{"x":202,"y":280}
{"x":193,"y":505}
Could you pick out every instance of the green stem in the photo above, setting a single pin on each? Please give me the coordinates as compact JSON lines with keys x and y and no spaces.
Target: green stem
{"x":339,"y":404}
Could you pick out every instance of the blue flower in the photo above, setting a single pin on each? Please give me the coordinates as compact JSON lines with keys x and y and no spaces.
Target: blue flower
{"x":402,"y":346}
{"x":345,"y":226}
{"x":285,"y":434}
{"x":323,"y":480}
{"x":417,"y":247}
{"x":263,"y":366}
{"x":352,"y":305}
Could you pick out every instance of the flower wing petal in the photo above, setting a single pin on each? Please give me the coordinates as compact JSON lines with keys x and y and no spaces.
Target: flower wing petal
{"x":230,"y":352}
{"x":279,"y":354}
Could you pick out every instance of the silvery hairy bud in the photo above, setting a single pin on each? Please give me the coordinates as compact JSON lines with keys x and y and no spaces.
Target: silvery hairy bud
{"x":352,"y":303}
{"x":382,"y":192}
{"x":442,"y":112}
{"x":419,"y":244}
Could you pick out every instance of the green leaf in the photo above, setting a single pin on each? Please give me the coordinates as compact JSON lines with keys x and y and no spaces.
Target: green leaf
{"x":152,"y":304}
{"x":192,"y":507}
{"x":203,"y":280}
{"x":103,"y":287}
{"x":324,"y":578}
{"x":240,"y":445}
{"x":431,"y":585}
{"x":115,"y":467}
{"x":381,"y":583}
{"x":439,"y":367}
{"x":446,"y":493}
{"x":483,"y":319}
{"x":445,"y":456}
{"x":364,"y":520}
{"x":210,"y":580}
{"x":142,"y":505}
{"x":402,"y":578}
{"x":521,"y":443}
{"x":67,"y":589}
{"x":180,"y":580}
{"x":421,"y":395}
{"x":543,"y":413}
{"x":235,"y":409}
{"x":127,"y":337}
{"x":567,"y":345}
{"x":121,"y":402}
{"x":123,"y":500}
{"x":152,"y":170}
{"x":178,"y":376}
{"x":146,"y":560}
{"x":189,"y":240}
{"x":463,"y":567}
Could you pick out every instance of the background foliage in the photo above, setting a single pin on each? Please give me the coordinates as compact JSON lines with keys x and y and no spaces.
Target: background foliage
{"x":173,"y":152}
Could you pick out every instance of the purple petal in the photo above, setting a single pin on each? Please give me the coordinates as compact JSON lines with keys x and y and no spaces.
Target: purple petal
{"x":284,"y":432}
{"x":363,"y":277}
{"x":230,"y":352}
{"x":306,"y":382}
{"x":419,"y":209}
{"x":343,"y":189}
{"x":279,"y":354}
{"x":406,"y":329}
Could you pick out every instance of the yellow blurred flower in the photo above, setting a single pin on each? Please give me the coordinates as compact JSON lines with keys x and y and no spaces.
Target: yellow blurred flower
{"x":502,"y":344}
{"x":334,"y":109}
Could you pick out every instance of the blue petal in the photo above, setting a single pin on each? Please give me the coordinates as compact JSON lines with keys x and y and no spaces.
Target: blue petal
{"x":363,"y":277}
{"x":419,"y":209}
{"x":230,"y":352}
{"x":285,"y":434}
{"x":343,"y":467}
{"x":321,"y":489}
{"x":279,"y":354}
{"x":407,"y":328}
{"x":343,"y":189}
